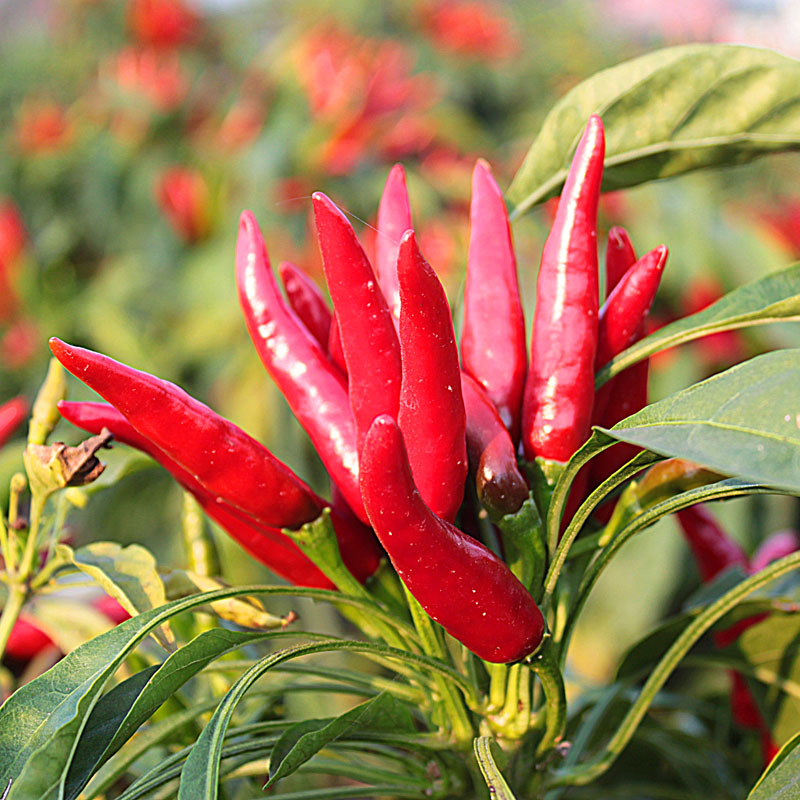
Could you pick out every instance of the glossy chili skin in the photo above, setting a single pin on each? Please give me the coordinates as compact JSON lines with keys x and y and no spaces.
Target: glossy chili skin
{"x":225,"y":460}
{"x":431,"y":415}
{"x":459,"y":582}
{"x":394,"y":219}
{"x":369,"y":339}
{"x":312,"y":385}
{"x":493,"y":348}
{"x":491,"y":453}
{"x":307,"y":301}
{"x":12,"y":414}
{"x":268,"y":544}
{"x":559,"y":390}
{"x":620,"y":257}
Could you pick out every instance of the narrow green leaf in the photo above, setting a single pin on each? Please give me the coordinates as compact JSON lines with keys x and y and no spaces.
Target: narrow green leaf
{"x":667,"y":113}
{"x":743,"y":422}
{"x":302,"y":741}
{"x":498,"y":788}
{"x":773,"y":298}
{"x":781,"y":779}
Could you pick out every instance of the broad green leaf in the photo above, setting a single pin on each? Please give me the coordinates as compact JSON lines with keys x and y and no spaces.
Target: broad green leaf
{"x":743,"y":422}
{"x":498,"y":788}
{"x":128,"y":574}
{"x":781,"y":779}
{"x":667,"y":113}
{"x":773,"y":298}
{"x":302,"y":741}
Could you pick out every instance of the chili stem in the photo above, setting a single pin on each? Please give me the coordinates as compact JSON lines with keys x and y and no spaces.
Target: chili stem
{"x":454,"y":707}
{"x":545,"y":665}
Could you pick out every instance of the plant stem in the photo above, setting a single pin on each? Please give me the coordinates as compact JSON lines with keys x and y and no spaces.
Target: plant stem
{"x":545,"y":665}
{"x":14,"y":602}
{"x":497,"y":687}
{"x":454,"y":707}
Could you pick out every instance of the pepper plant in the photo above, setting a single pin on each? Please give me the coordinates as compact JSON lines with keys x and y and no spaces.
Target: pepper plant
{"x":475,"y":500}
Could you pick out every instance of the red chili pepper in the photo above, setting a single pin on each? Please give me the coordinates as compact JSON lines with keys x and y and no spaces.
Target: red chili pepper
{"x":311,"y":384}
{"x":306,"y":301}
{"x":394,"y":219}
{"x":223,"y":458}
{"x":459,"y":582}
{"x":12,"y":415}
{"x":620,"y":257}
{"x":432,"y":415}
{"x":368,"y":336}
{"x":26,"y":640}
{"x":778,"y":545}
{"x":266,"y":543}
{"x":492,"y":456}
{"x":335,"y":351}
{"x":713,"y":550}
{"x":493,"y":331}
{"x":559,"y":390}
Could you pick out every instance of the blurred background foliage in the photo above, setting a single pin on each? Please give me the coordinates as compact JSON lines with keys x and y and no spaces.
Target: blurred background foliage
{"x":133,"y":132}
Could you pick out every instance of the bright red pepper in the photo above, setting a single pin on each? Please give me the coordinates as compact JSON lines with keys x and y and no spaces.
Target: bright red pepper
{"x":268,"y":544}
{"x":620,"y":257}
{"x":432,"y":415}
{"x":492,"y":456}
{"x":312,"y":385}
{"x":335,"y":351}
{"x":26,"y":640}
{"x":369,"y":339}
{"x":559,"y":390}
{"x":459,"y":582}
{"x":12,"y":414}
{"x":306,"y":301}
{"x":394,"y":219}
{"x":493,"y":331}
{"x":223,"y":458}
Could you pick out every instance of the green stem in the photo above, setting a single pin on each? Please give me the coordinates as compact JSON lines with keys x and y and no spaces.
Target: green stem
{"x":431,"y":645}
{"x":497,"y":687}
{"x":16,"y":599}
{"x":545,"y":664}
{"x":585,"y":773}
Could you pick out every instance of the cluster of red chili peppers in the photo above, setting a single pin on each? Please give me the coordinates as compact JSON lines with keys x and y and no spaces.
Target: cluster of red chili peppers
{"x":398,"y":419}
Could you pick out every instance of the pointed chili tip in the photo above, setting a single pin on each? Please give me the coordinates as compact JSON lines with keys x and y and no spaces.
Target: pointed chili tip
{"x":247,"y":222}
{"x":408,"y":239}
{"x":57,"y":347}
{"x":325,"y":210}
{"x":618,"y":236}
{"x":397,"y":174}
{"x":383,"y":438}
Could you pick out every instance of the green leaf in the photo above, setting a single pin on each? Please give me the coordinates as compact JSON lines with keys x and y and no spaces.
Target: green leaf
{"x":773,"y":298}
{"x":667,"y":113}
{"x":781,"y":779}
{"x":743,"y":422}
{"x":128,"y":574}
{"x":302,"y":741}
{"x":185,"y":663}
{"x":498,"y":788}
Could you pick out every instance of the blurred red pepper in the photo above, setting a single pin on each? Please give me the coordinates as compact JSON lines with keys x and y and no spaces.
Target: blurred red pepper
{"x":493,"y":329}
{"x":42,"y":127}
{"x":459,"y":582}
{"x":12,"y":414}
{"x":185,"y":199}
{"x":559,"y":391}
{"x":154,"y":76}
{"x":163,"y":23}
{"x":432,"y":415}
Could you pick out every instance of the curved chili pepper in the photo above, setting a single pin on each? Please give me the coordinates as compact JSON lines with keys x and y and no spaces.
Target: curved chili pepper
{"x":559,"y":390}
{"x":459,"y":582}
{"x":368,"y":336}
{"x":620,"y":257}
{"x":394,"y":219}
{"x":431,"y":415}
{"x":500,"y":485}
{"x":26,"y":640}
{"x":335,"y":351}
{"x":12,"y":414}
{"x":266,"y":543}
{"x":311,"y":384}
{"x":225,"y":460}
{"x":493,"y":331}
{"x":306,"y":301}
